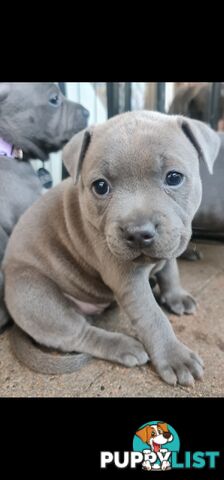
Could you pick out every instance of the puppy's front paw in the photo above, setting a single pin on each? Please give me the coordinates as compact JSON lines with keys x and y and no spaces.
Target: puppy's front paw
{"x":192,"y":255}
{"x":129,"y":352}
{"x":165,"y":465}
{"x":178,"y":364}
{"x":146,"y":465}
{"x":179,"y":302}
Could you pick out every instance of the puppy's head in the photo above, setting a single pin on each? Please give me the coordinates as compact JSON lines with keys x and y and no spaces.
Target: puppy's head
{"x":193,"y":101}
{"x":37,"y":118}
{"x":155,"y":435}
{"x":138,"y":180}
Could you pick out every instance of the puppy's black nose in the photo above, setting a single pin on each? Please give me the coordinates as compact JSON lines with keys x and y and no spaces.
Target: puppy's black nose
{"x":139,"y":236}
{"x":167,"y":434}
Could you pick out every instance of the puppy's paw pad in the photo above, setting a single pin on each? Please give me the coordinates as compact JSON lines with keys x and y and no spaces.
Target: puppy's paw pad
{"x":131,"y":353}
{"x":132,"y":361}
{"x":179,"y":365}
{"x":179,"y":302}
{"x":192,"y":255}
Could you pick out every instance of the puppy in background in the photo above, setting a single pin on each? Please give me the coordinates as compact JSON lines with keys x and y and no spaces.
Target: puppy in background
{"x":35,"y":120}
{"x":193,"y":101}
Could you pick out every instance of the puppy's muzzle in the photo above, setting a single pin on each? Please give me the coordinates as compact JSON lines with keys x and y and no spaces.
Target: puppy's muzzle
{"x":139,"y":236}
{"x":84,"y":112}
{"x":82,"y":116}
{"x":75,"y":118}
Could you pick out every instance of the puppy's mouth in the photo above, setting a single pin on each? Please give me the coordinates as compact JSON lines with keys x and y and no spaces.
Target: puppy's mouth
{"x":147,"y":254}
{"x":41,"y":149}
{"x":158,"y":255}
{"x":164,"y":247}
{"x":156,"y":447}
{"x":141,"y":256}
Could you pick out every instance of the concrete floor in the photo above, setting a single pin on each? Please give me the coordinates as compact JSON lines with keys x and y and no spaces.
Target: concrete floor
{"x":203,"y":332}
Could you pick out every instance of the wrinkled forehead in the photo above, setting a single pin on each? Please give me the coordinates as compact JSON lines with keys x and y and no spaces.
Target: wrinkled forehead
{"x":138,"y":147}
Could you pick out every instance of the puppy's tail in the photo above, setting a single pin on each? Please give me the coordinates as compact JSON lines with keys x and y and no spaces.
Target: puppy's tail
{"x":42,"y":361}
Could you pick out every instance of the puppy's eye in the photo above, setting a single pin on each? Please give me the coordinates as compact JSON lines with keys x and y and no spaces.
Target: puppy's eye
{"x":101,"y":187}
{"x":55,"y":100}
{"x":153,"y":434}
{"x":160,"y":431}
{"x":174,"y":179}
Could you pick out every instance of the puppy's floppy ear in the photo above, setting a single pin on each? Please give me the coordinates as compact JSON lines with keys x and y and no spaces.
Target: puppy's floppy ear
{"x":74,"y":152}
{"x":163,"y":426}
{"x":4,"y":91}
{"x":205,"y":140}
{"x":144,"y":433}
{"x":183,"y":98}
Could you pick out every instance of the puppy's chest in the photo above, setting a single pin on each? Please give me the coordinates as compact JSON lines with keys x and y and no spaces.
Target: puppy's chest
{"x":83,"y":283}
{"x":90,"y":295}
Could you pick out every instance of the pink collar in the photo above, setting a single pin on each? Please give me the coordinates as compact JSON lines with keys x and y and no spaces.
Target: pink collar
{"x":8,"y":150}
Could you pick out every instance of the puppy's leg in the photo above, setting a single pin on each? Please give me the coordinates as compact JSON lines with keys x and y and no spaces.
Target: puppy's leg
{"x":40,"y":309}
{"x":172,"y":295}
{"x":192,"y":254}
{"x":172,"y":359}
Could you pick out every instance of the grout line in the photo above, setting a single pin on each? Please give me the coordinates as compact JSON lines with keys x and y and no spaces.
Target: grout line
{"x":93,"y":381}
{"x":201,"y":288}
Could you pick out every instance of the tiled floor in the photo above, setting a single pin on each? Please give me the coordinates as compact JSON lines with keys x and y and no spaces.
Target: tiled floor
{"x":203,"y":332}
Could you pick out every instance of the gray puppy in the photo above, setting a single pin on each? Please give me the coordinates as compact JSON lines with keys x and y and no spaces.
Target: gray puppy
{"x":210,"y":216}
{"x":124,"y":215}
{"x":35,"y":120}
{"x":193,"y":101}
{"x":208,"y":223}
